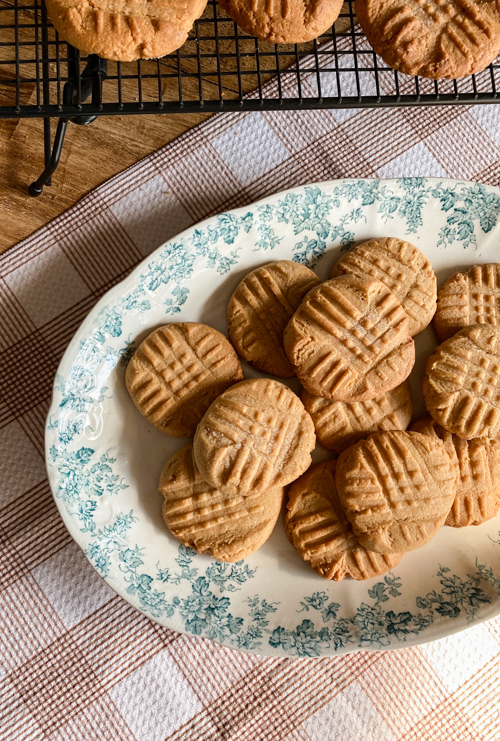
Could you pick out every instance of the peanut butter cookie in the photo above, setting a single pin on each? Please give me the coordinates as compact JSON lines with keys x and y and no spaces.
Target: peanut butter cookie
{"x":462,"y":382}
{"x":467,"y":298}
{"x":124,"y":30}
{"x":477,"y":497}
{"x":402,"y":268}
{"x":349,"y":340}
{"x":396,"y":489}
{"x":254,"y":437}
{"x":283,"y":22}
{"x":176,"y":373}
{"x":339,"y":424}
{"x":432,"y":38}
{"x":261,"y":307}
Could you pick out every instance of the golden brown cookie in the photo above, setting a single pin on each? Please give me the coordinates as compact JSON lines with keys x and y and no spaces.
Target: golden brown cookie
{"x":318,"y":528}
{"x":462,"y":382}
{"x":290,"y":22}
{"x":176,"y":373}
{"x":402,"y":268}
{"x":124,"y":30}
{"x":349,"y":340}
{"x":229,"y":528}
{"x":261,"y":307}
{"x":432,"y":38}
{"x":339,"y":424}
{"x":396,"y":489}
{"x":467,"y":298}
{"x":477,"y":497}
{"x":254,"y":437}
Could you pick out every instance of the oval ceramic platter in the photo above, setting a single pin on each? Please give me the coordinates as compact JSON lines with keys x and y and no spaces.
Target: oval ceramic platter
{"x":104,"y":459}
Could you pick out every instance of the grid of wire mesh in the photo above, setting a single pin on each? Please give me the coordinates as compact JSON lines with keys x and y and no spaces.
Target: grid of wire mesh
{"x":218,"y":68}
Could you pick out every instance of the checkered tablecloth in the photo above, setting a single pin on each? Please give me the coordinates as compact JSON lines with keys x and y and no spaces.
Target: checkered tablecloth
{"x":77,"y":663}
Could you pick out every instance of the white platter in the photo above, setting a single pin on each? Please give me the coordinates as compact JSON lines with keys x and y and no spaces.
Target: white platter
{"x":104,"y":459}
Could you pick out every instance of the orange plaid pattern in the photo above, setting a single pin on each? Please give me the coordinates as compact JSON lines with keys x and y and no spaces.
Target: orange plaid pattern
{"x":76,"y":662}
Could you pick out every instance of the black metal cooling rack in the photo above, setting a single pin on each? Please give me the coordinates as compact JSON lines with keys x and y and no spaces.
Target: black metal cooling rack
{"x":219,"y":68}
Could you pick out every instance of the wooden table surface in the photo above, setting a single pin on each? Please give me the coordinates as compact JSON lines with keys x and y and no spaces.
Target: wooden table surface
{"x":91,"y":155}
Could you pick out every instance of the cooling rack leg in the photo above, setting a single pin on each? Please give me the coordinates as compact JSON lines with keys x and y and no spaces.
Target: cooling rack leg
{"x":46,"y":145}
{"x":36,"y":188}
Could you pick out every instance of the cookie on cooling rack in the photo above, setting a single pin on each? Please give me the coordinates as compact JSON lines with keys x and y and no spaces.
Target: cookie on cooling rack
{"x":349,"y":340}
{"x":470,"y":297}
{"x":462,"y":382}
{"x":290,"y":22}
{"x":261,"y":307}
{"x":229,"y":528}
{"x":176,"y":373}
{"x":477,"y":497}
{"x":403,"y":268}
{"x":124,"y":31}
{"x":396,"y":489}
{"x":339,"y":424}
{"x":255,"y":436}
{"x":432,"y":38}
{"x":318,"y":528}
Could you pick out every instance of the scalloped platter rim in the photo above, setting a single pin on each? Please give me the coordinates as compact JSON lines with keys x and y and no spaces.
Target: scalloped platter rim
{"x":104,"y":459}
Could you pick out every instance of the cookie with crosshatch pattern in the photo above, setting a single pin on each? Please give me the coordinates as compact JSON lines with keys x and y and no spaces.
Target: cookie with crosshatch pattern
{"x":124,"y":31}
{"x":176,"y":373}
{"x":349,"y":340}
{"x":227,"y":527}
{"x":318,"y":528}
{"x":466,"y":298}
{"x":396,"y":489}
{"x":432,"y":38}
{"x":261,"y":307}
{"x":254,"y":437}
{"x":287,"y":22}
{"x":403,"y":268}
{"x":339,"y":424}
{"x":477,"y":497}
{"x":461,"y":385}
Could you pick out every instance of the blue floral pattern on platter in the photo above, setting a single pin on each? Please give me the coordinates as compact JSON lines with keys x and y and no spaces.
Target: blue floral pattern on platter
{"x":234,"y":603}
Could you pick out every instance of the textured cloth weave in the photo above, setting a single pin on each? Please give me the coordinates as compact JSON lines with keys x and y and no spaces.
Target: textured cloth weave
{"x":77,"y":663}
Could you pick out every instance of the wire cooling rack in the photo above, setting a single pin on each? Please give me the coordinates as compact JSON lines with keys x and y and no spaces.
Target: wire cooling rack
{"x":219,"y":68}
{"x":215,"y":70}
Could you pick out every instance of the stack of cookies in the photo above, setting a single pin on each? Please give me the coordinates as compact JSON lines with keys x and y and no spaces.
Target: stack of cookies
{"x":223,"y":492}
{"x":349,"y":341}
